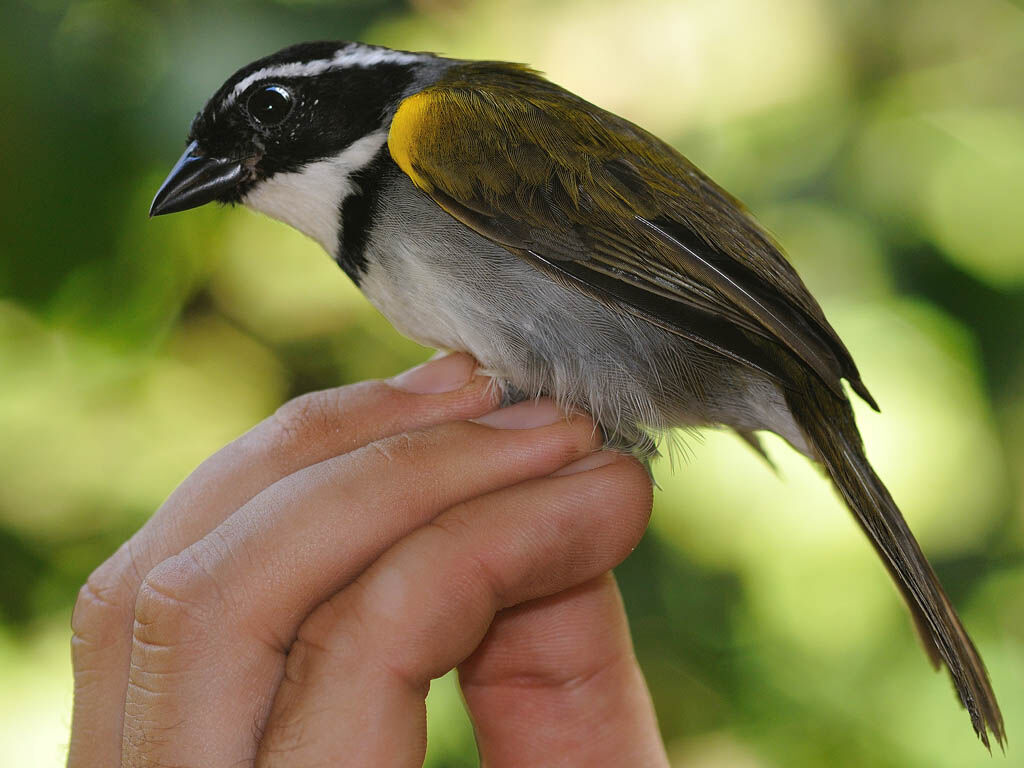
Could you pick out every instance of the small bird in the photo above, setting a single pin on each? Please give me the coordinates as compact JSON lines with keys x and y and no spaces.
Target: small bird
{"x":482,"y":208}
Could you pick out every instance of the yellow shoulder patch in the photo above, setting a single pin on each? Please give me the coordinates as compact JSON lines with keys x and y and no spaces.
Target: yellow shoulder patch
{"x":406,"y":128}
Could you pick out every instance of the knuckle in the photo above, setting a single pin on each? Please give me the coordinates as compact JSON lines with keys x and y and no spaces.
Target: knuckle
{"x":329,"y":422}
{"x":403,"y":447}
{"x":319,"y":414}
{"x":103,"y":608}
{"x":177,"y":603}
{"x":303,"y":418}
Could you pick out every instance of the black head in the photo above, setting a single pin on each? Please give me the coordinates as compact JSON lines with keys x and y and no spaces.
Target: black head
{"x":302,"y":104}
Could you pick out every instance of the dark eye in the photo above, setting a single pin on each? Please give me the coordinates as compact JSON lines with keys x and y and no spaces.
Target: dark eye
{"x":269,"y":105}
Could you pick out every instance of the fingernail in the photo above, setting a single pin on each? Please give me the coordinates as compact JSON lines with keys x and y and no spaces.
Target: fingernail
{"x":445,"y":374}
{"x":534,"y":413}
{"x":593,"y":461}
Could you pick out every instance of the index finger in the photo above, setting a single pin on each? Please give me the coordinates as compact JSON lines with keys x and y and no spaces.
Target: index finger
{"x":303,"y":432}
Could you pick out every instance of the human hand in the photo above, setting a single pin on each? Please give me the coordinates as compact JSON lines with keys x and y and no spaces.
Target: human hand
{"x":290,"y":602}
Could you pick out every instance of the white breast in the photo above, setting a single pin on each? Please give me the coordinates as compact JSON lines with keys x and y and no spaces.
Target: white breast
{"x":428,"y":302}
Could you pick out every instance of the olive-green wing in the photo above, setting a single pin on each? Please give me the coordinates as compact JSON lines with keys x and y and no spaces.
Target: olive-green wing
{"x":600,"y":204}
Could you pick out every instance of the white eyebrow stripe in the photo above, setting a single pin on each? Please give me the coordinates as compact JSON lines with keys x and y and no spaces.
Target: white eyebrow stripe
{"x":344,"y":57}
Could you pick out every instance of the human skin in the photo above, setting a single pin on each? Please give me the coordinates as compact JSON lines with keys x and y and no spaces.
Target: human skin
{"x":290,"y":602}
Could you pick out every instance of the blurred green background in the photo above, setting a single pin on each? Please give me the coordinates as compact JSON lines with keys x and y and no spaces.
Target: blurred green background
{"x":881,"y":140}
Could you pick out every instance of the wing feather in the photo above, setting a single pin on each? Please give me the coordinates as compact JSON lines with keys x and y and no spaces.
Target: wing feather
{"x":591,"y":198}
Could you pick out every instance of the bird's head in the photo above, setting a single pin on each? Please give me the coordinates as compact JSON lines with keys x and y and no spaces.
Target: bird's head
{"x":284,"y":134}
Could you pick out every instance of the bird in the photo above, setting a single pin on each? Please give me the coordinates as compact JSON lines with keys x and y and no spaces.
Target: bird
{"x":483,"y":208}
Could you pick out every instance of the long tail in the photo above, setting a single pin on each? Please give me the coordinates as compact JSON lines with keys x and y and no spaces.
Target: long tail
{"x":828,"y":423}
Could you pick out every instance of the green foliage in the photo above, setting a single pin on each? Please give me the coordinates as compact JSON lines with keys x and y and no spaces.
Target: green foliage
{"x":882,"y":141}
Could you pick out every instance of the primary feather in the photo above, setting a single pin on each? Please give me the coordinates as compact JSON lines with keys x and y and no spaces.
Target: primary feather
{"x":555,"y":179}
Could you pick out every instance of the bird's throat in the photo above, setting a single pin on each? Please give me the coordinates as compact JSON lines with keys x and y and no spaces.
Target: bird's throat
{"x":310,"y":198}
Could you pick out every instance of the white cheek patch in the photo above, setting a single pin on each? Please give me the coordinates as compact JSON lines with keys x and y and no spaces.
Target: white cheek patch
{"x":310,"y":199}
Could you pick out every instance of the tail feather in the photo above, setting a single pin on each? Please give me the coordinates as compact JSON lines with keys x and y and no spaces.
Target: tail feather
{"x":828,"y":423}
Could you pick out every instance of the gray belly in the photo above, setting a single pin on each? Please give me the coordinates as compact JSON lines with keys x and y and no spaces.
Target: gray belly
{"x":447,"y":287}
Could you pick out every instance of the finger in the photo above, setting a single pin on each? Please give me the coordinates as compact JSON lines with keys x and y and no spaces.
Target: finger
{"x":558,"y":676}
{"x":213,"y":624}
{"x":303,"y":432}
{"x":357,"y":674}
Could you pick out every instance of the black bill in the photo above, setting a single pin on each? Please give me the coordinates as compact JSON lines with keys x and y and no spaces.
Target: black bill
{"x":196,"y":180}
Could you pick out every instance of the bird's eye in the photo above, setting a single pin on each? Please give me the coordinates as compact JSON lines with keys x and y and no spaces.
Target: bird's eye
{"x":270,"y":105}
